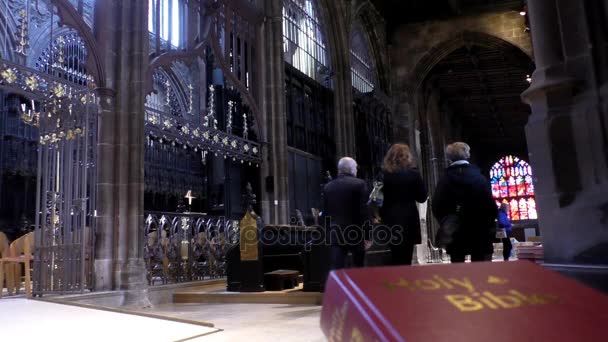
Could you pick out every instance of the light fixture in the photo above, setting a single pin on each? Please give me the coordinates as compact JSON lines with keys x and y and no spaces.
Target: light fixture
{"x":523,"y":13}
{"x":529,"y":78}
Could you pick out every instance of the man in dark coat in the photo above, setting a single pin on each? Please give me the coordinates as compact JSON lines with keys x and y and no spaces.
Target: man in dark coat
{"x":346,"y":215}
{"x":465,"y":192}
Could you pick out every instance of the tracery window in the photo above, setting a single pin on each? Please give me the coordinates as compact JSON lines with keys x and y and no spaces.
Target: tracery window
{"x":303,"y":39}
{"x":512,"y":183}
{"x":164,"y":19}
{"x":65,"y":58}
{"x":361,"y":64}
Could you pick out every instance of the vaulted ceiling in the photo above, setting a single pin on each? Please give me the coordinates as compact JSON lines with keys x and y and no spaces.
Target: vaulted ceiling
{"x":479,"y":86}
{"x":482,"y":88}
{"x":397,"y":12}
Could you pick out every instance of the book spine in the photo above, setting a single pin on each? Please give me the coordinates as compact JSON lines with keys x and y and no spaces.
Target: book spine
{"x":343,"y":317}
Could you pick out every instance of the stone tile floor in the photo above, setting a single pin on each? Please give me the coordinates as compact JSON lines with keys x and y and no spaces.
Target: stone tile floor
{"x":251,"y":322}
{"x":236,"y":322}
{"x":32,"y":320}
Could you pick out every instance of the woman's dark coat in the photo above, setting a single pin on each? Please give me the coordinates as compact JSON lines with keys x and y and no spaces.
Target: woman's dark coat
{"x":401,"y":192}
{"x":464,"y":185}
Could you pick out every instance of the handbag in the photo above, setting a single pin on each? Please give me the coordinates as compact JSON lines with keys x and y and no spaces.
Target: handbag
{"x":501,"y":233}
{"x":376,"y":198}
{"x":448,"y":227}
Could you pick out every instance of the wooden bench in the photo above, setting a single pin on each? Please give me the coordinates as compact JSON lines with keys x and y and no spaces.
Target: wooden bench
{"x":21,"y":251}
{"x":4,"y":271}
{"x":281,"y":280}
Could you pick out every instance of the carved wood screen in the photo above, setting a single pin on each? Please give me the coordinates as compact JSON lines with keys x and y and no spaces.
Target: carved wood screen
{"x":202,"y":126}
{"x":373,"y":133}
{"x":202,"y":103}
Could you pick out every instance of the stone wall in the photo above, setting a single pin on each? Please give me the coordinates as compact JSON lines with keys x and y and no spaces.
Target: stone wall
{"x":416,"y":48}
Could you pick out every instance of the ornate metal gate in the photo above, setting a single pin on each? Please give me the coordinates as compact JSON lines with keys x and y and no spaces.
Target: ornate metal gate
{"x":65,"y":114}
{"x":66,"y":194}
{"x":44,"y":58}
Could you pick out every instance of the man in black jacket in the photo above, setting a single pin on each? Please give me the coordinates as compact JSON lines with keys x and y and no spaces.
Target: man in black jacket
{"x":463,"y":191}
{"x":346,"y":215}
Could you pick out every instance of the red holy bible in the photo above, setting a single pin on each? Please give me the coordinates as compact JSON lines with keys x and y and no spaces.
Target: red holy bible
{"x":485,"y":302}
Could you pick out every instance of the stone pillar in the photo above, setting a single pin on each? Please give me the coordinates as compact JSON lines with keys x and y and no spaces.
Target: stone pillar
{"x":104,"y":239}
{"x":275,"y":205}
{"x":345,"y":116}
{"x":567,"y":140}
{"x":403,"y":118}
{"x":122,"y":30}
{"x":343,"y":89}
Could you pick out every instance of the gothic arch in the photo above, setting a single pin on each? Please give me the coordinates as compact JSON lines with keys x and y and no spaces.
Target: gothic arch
{"x":337,"y":27}
{"x":418,"y":93}
{"x":466,"y":38}
{"x":334,"y":30}
{"x":208,"y":38}
{"x":373,"y":24}
{"x":70,"y":17}
{"x":9,"y":30}
{"x":412,"y":85}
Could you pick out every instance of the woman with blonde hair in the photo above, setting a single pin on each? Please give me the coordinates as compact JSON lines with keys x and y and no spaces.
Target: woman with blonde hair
{"x":402,"y":188}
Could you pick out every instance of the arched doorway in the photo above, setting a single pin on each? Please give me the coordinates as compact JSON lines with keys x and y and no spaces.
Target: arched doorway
{"x":470,"y":91}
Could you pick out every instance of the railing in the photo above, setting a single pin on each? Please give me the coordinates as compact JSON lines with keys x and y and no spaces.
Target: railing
{"x":187,"y":247}
{"x":165,"y":128}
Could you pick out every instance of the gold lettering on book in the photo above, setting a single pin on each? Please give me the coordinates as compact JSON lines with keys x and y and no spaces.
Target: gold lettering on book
{"x":497,"y":280}
{"x":337,"y":323}
{"x":472,"y":300}
{"x":436,"y":283}
{"x":356,"y":336}
{"x":488,"y":300}
{"x":464,"y":303}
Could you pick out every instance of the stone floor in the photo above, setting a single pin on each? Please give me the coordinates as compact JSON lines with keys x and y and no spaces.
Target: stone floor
{"x":32,"y":320}
{"x":233,"y":322}
{"x":252,"y":322}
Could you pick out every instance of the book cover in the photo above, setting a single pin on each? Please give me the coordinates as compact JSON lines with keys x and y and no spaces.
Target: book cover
{"x":506,"y":301}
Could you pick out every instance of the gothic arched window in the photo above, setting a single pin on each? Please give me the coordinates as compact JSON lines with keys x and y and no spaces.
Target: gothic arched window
{"x":164,"y":16}
{"x":512,"y":183}
{"x":303,"y":39}
{"x":361,"y":64}
{"x":65,"y":58}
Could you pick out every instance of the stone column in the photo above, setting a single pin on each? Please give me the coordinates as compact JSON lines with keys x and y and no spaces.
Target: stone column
{"x":121,"y":29}
{"x":343,"y":89}
{"x":404,"y":118}
{"x":276,"y":204}
{"x":345,"y":116}
{"x":567,"y":141}
{"x":104,"y":237}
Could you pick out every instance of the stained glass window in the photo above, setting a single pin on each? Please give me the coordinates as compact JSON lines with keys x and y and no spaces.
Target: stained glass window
{"x":512,"y":183}
{"x":303,"y":38}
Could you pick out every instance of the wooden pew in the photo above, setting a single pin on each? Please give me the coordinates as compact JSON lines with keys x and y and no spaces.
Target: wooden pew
{"x":21,"y":251}
{"x":4,"y":269}
{"x":283,"y":246}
